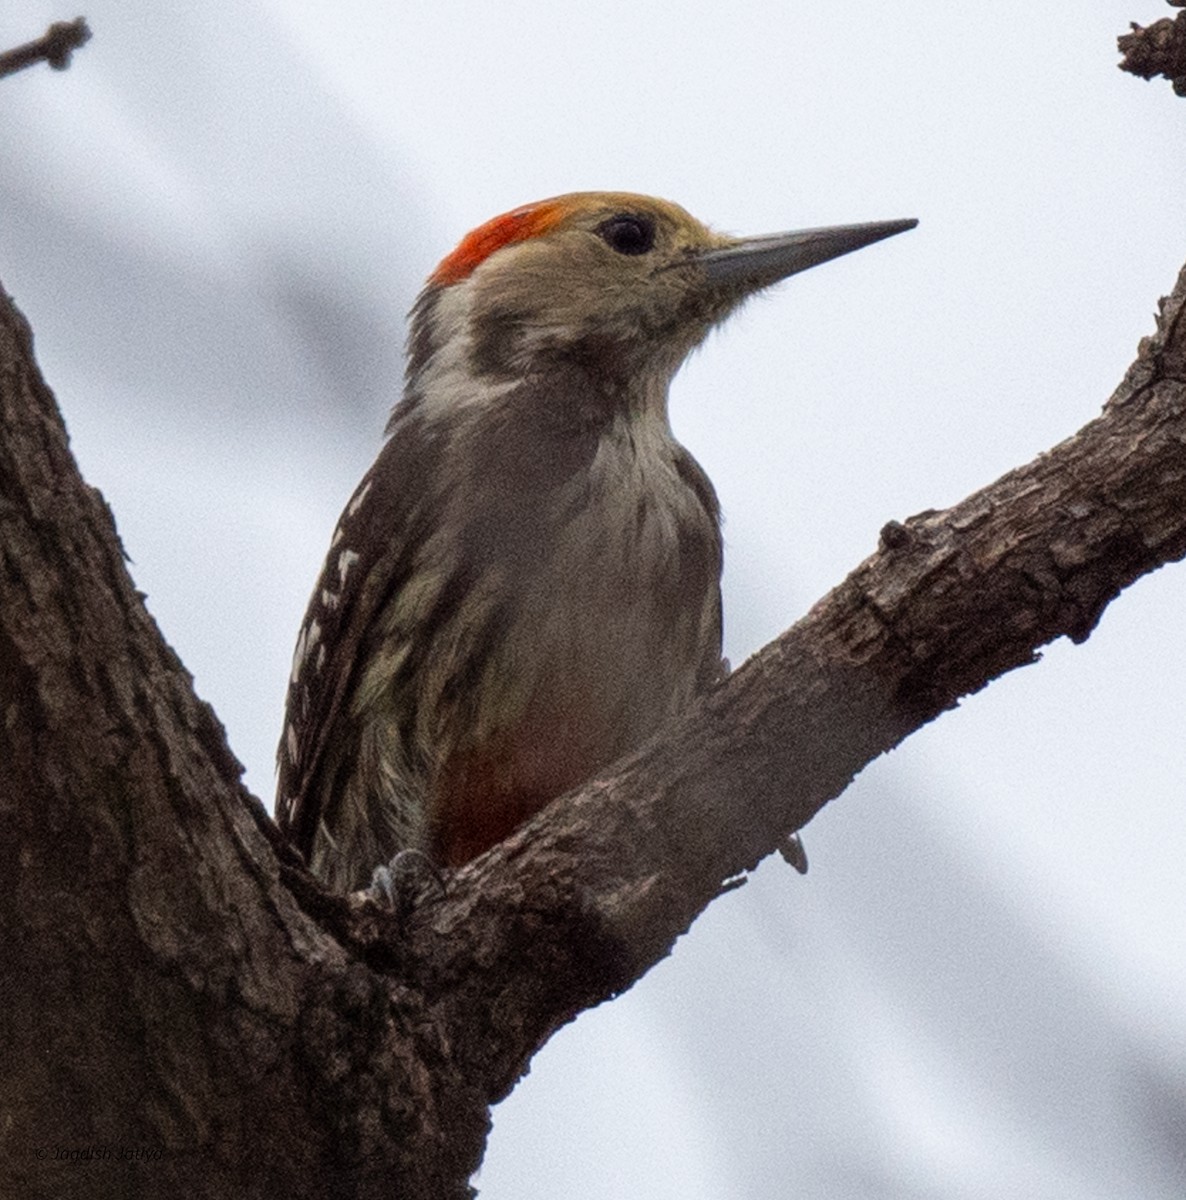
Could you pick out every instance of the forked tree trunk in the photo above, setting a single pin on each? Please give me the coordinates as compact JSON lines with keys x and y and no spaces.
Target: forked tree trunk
{"x":178,"y":996}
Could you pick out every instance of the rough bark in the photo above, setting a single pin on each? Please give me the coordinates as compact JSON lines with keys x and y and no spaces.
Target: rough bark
{"x":176,"y":987}
{"x":163,"y":1000}
{"x":1157,"y":49}
{"x":177,"y":993}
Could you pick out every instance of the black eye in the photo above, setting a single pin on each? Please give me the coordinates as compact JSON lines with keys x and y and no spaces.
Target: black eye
{"x":628,"y":234}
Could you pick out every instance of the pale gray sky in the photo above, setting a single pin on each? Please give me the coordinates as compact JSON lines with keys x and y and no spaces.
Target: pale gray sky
{"x":216,"y":221}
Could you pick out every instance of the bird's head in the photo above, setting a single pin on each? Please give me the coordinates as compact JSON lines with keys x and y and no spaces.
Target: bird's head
{"x":622,"y":285}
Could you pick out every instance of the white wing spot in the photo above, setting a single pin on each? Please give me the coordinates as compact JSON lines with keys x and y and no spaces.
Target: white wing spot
{"x":309,"y":636}
{"x":357,"y":503}
{"x":329,"y":600}
{"x":346,"y":560}
{"x":290,"y":742}
{"x":298,"y":656}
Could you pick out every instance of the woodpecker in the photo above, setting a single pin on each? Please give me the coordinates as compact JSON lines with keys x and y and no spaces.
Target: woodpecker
{"x":526,"y":584}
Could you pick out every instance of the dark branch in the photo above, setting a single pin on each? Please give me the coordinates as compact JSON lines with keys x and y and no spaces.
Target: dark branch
{"x":1158,"y":49}
{"x":145,"y":904}
{"x":579,"y":903}
{"x":54,"y":46}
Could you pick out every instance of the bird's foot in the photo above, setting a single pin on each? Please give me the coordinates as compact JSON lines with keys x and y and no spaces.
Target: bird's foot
{"x":406,"y":881}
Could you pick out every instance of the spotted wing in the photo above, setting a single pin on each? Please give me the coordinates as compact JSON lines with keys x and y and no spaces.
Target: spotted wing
{"x":370,"y":555}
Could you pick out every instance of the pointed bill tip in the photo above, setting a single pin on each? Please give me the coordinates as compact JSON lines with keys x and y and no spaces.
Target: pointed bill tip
{"x":756,"y":262}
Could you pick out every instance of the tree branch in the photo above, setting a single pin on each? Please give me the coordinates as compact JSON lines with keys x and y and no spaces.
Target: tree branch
{"x":1157,"y":49}
{"x":162,"y":999}
{"x":580,"y":902}
{"x":55,"y":47}
{"x":149,"y":897}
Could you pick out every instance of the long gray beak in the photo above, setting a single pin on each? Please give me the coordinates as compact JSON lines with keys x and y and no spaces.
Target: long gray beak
{"x":757,"y":262}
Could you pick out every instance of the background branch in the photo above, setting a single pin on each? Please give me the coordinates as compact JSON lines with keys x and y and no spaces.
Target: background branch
{"x":55,"y":47}
{"x":1157,"y":49}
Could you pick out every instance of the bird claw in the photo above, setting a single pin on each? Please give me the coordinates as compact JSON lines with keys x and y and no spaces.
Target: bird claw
{"x":793,"y":852}
{"x":400,"y":884}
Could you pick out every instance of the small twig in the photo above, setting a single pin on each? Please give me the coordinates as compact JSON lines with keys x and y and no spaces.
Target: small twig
{"x":1157,"y":49}
{"x":55,"y":46}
